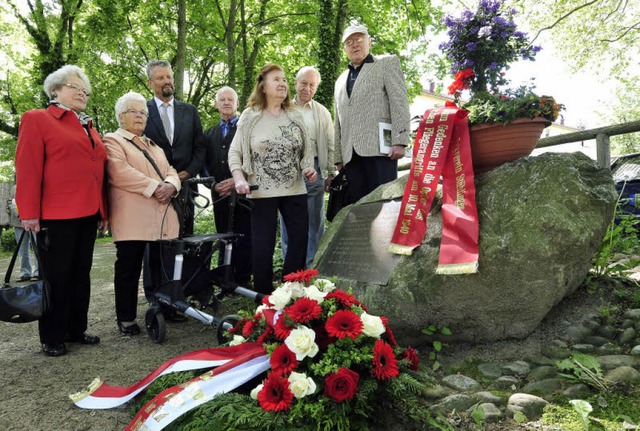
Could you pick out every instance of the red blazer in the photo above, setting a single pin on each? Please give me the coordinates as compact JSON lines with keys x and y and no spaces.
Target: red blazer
{"x":59,"y":175}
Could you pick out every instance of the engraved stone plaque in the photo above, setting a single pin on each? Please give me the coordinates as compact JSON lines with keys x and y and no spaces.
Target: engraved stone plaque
{"x":358,"y":251}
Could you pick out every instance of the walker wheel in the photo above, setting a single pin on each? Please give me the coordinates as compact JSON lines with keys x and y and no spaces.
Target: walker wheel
{"x":225,"y":324}
{"x":156,"y":325}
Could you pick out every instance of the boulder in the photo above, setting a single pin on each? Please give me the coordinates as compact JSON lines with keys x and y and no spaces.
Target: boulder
{"x":541,"y":221}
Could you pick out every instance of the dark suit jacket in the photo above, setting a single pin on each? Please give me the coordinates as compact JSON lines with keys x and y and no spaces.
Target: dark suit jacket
{"x":188,"y":151}
{"x":217,"y":160}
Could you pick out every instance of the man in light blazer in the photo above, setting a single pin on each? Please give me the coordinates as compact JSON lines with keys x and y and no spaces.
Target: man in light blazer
{"x":370,"y":92}
{"x":181,"y":138}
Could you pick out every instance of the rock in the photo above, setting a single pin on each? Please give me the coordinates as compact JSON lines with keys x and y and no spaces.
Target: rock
{"x":556,"y":352}
{"x":490,"y":371}
{"x":506,"y":382}
{"x":590,"y":323}
{"x":461,"y":383}
{"x":633,"y":314}
{"x":488,"y":397}
{"x":636,"y":350}
{"x":437,"y":392}
{"x":578,"y":332}
{"x":627,"y":336}
{"x":628,"y":323}
{"x":530,"y":224}
{"x":529,"y":405}
{"x":584,"y":348}
{"x":541,"y":373}
{"x":623,"y":374}
{"x":595,"y":340}
{"x":458,"y":402}
{"x":538,"y":359}
{"x":544,"y":388}
{"x":490,"y":413}
{"x":559,"y":343}
{"x":516,"y":368}
{"x":606,"y":331}
{"x":577,"y":391}
{"x":609,"y":349}
{"x":610,"y":362}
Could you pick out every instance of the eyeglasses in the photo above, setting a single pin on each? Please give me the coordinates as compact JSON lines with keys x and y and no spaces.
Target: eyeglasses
{"x":76,"y":88}
{"x":354,"y":40}
{"x":133,"y":111}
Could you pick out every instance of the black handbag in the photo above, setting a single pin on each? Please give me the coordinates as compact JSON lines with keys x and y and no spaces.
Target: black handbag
{"x":337,"y":195}
{"x":25,"y":302}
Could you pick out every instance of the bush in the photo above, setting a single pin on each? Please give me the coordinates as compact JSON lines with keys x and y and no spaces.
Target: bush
{"x":8,"y":240}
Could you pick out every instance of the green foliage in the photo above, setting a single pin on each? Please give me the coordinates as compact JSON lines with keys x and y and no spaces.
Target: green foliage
{"x":478,"y":417}
{"x":8,"y":240}
{"x":583,"y":368}
{"x":433,"y":331}
{"x":621,"y":237}
{"x":583,"y":409}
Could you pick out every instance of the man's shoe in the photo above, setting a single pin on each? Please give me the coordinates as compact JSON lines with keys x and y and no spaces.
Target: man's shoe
{"x":83,"y":338}
{"x":132,"y":329}
{"x":54,"y":349}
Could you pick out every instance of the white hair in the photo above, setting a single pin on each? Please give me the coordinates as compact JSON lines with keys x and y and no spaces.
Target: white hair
{"x":57,"y":79}
{"x":226,"y":88}
{"x":306,"y":69}
{"x":122,"y":104}
{"x":157,"y":63}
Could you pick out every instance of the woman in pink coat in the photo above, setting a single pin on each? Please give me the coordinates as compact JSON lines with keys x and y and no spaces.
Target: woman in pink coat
{"x":140,"y":209}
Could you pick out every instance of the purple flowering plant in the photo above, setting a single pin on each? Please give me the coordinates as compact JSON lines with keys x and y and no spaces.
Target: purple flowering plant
{"x":481,"y":47}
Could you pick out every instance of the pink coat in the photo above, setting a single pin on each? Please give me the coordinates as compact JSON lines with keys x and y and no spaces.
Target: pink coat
{"x":134,"y":214}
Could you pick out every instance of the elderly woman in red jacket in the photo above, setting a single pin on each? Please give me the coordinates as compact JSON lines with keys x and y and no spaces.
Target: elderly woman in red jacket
{"x":60,"y":166}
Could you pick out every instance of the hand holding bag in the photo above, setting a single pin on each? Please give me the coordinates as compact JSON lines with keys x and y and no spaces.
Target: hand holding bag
{"x":25,"y":302}
{"x":337,"y":195}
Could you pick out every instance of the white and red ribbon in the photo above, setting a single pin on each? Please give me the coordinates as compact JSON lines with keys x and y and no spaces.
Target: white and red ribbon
{"x":235,"y":366}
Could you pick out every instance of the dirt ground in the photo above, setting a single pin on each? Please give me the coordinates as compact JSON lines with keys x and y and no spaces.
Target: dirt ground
{"x":34,"y":388}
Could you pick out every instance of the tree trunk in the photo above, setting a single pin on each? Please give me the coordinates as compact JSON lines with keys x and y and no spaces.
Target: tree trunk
{"x":332,"y":19}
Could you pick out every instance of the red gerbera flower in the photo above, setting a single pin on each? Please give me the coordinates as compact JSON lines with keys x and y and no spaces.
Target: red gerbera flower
{"x":275,"y":395}
{"x":385,"y":364}
{"x":303,"y":276}
{"x":342,"y":297}
{"x":304,"y":310}
{"x":412,"y":356}
{"x":343,"y":324}
{"x":267,"y":332}
{"x":388,"y":333}
{"x":283,"y":361}
{"x":248,"y":328}
{"x":281,"y":328}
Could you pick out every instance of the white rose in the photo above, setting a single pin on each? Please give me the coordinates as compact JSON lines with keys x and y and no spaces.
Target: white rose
{"x":296,"y":288}
{"x":325,"y":285}
{"x":302,"y":342}
{"x":280,"y":297}
{"x":237,"y":339}
{"x":301,"y":385}
{"x":312,"y":292}
{"x":372,"y":326}
{"x":254,"y":392}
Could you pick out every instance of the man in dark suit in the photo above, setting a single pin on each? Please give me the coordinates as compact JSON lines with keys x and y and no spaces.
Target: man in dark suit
{"x":174,"y":126}
{"x":217,"y":141}
{"x":370,"y":93}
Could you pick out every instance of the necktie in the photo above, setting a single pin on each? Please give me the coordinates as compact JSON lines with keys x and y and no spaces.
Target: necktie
{"x":164,"y":116}
{"x":225,"y":128}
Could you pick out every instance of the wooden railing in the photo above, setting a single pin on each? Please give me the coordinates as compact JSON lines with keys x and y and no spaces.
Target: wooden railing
{"x":601,"y":135}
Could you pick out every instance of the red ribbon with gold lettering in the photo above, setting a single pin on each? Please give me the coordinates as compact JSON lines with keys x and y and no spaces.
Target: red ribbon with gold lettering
{"x":441,"y":147}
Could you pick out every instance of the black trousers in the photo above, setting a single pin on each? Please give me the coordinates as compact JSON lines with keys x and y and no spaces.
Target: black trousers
{"x":241,"y":258}
{"x":66,"y":251}
{"x":126,"y":277}
{"x":365,"y":174}
{"x":264,"y":223}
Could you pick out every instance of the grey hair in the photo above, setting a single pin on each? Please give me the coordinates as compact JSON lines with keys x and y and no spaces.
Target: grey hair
{"x":306,"y":69}
{"x":226,"y":88}
{"x":156,"y":63}
{"x":122,"y":104}
{"x":57,"y":79}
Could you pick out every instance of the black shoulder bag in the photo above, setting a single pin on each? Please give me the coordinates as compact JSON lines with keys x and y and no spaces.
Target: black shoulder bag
{"x":337,"y":195}
{"x":25,"y":302}
{"x":178,"y":202}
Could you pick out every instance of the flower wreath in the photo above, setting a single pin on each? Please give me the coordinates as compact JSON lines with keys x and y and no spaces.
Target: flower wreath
{"x":322,"y":342}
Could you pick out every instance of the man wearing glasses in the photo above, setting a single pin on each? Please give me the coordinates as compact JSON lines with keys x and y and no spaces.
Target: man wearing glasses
{"x":371,"y":93}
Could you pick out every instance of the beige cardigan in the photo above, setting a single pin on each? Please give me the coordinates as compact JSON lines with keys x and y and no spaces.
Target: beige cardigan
{"x":134,"y":214}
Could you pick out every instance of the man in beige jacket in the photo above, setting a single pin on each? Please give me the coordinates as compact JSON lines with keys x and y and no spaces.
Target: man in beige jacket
{"x":320,"y":127}
{"x":370,"y":93}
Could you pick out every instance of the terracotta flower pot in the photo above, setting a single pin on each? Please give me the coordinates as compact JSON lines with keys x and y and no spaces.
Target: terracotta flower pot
{"x":494,"y":144}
